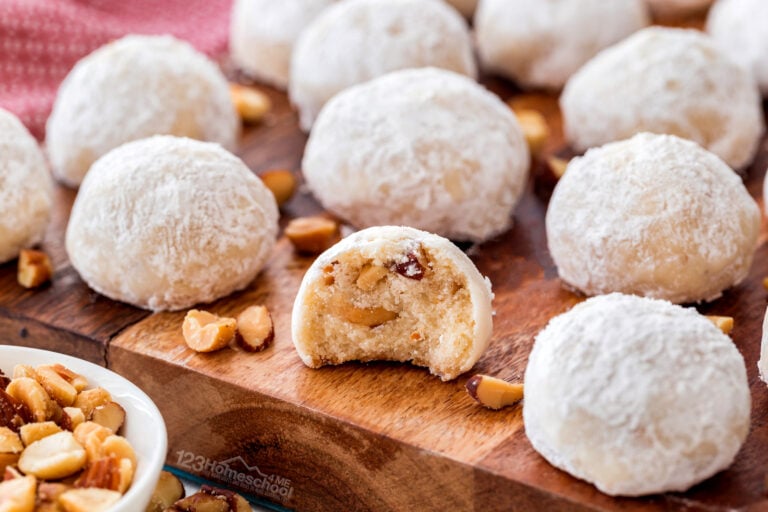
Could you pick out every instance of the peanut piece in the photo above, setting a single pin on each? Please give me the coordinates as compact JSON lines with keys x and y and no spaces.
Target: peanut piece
{"x":492,"y":392}
{"x":76,"y":417}
{"x":119,"y":447}
{"x":282,"y":184}
{"x":206,"y":332}
{"x":251,"y":104}
{"x":90,"y":399}
{"x":535,"y":129}
{"x":35,"y":268}
{"x":78,"y":381}
{"x":24,"y":370}
{"x":765,"y":283}
{"x":369,"y":276}
{"x":32,"y":432}
{"x":724,"y":323}
{"x":92,"y":436}
{"x":7,"y":461}
{"x":53,"y":457}
{"x":372,"y":316}
{"x":557,"y":166}
{"x":18,"y":494}
{"x":103,"y":473}
{"x":10,"y":442}
{"x":255,"y":330}
{"x":312,"y":235}
{"x":91,"y":499}
{"x":110,"y":415}
{"x":168,"y":490}
{"x":55,"y":385}
{"x":32,"y":394}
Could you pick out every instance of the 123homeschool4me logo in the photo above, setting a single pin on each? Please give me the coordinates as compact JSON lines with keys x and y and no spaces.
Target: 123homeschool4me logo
{"x":237,"y":472}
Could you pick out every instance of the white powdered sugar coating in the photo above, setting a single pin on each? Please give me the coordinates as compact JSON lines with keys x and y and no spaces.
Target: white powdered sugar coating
{"x":378,"y":242}
{"x":542,"y":43}
{"x":26,"y":188}
{"x":425,"y":148}
{"x":465,"y":7}
{"x":636,"y":396}
{"x":136,"y":87}
{"x":357,"y":40}
{"x":164,"y":223}
{"x":263,"y":32}
{"x":654,"y":215}
{"x":677,"y":8}
{"x":665,"y":80}
{"x":740,"y":29}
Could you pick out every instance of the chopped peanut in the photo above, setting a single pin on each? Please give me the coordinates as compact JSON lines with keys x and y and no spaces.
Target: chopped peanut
{"x":206,"y":332}
{"x":35,"y":268}
{"x":255,"y":330}
{"x":492,"y":392}
{"x":557,"y":166}
{"x":370,"y":275}
{"x":53,"y":457}
{"x":535,"y":129}
{"x":281,"y":182}
{"x":312,"y":235}
{"x":724,"y":323}
{"x":251,"y":104}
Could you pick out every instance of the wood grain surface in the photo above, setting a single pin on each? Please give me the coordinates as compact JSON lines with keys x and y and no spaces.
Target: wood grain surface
{"x":378,"y":436}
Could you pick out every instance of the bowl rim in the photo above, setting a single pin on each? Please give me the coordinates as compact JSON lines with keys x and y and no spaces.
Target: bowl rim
{"x":138,"y":495}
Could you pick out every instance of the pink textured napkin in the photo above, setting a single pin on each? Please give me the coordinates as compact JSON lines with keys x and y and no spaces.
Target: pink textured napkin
{"x":40,"y":41}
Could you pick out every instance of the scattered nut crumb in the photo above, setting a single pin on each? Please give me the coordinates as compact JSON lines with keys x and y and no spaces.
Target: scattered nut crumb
{"x":557,"y":166}
{"x":312,"y":235}
{"x":494,"y":393}
{"x":206,"y":332}
{"x":724,"y":323}
{"x":281,"y":182}
{"x":35,"y":268}
{"x":251,"y":104}
{"x":255,"y":330}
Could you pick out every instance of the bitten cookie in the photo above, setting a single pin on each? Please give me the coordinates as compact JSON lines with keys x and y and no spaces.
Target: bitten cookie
{"x":357,"y":40}
{"x":132,"y":88}
{"x":263,"y":32}
{"x":26,"y":188}
{"x":425,"y":148}
{"x":541,"y":43}
{"x":166,"y":222}
{"x":636,"y":396}
{"x":395,"y":294}
{"x":665,"y":80}
{"x":654,"y":215}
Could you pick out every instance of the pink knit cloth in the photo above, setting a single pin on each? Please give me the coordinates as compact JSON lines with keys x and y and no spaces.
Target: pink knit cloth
{"x":40,"y":41}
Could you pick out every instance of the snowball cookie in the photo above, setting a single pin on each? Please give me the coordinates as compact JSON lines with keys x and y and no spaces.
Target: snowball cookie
{"x":636,"y":396}
{"x":465,"y":7}
{"x":542,"y":43}
{"x":654,"y":215}
{"x":133,"y":88}
{"x":356,"y":40}
{"x":426,"y":148}
{"x":665,"y":80}
{"x":262,"y":34}
{"x":165,"y":223}
{"x":394,"y":294}
{"x":677,"y":8}
{"x":26,"y":188}
{"x":739,"y":29}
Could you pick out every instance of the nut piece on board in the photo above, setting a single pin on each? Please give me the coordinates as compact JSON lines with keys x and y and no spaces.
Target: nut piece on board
{"x":281,"y":182}
{"x":168,"y":490}
{"x":534,"y":127}
{"x":251,"y":104}
{"x":494,"y":393}
{"x":110,"y":415}
{"x":35,"y":268}
{"x":212,"y":499}
{"x":53,"y":457}
{"x":312,"y":235}
{"x":255,"y":330}
{"x":724,"y":323}
{"x":91,"y":499}
{"x":206,"y":332}
{"x":18,"y":494}
{"x":557,"y":166}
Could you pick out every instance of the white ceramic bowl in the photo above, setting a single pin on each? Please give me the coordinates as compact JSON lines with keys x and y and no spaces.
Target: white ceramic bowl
{"x":144,"y":426}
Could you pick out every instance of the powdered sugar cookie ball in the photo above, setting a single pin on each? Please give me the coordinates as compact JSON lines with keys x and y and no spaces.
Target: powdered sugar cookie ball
{"x":425,"y":148}
{"x":357,"y":40}
{"x":133,"y":88}
{"x":654,"y":215}
{"x":394,"y":294}
{"x":465,"y":7}
{"x":665,"y":80}
{"x":263,"y":32}
{"x":542,"y":43}
{"x":26,"y":188}
{"x":677,"y":8}
{"x":618,"y":392}
{"x":166,"y":222}
{"x":739,"y":29}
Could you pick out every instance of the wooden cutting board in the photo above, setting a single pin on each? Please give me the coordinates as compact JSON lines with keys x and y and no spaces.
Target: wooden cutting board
{"x":376,"y":436}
